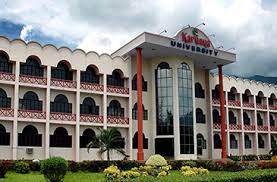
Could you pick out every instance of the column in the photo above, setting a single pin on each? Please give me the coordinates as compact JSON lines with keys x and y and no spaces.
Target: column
{"x":130,"y":129}
{"x":176,"y":114}
{"x":140,"y":154}
{"x":268,"y":125}
{"x":228,"y":142}
{"x":77,"y":129}
{"x":242,"y":145}
{"x":255,"y":146}
{"x":47,"y":124}
{"x":222,"y":113}
{"x":105,"y":100}
{"x":209,"y":115}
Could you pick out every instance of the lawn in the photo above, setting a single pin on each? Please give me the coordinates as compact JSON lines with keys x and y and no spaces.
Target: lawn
{"x":174,"y":176}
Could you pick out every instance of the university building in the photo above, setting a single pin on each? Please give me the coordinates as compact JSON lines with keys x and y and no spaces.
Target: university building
{"x":157,"y":91}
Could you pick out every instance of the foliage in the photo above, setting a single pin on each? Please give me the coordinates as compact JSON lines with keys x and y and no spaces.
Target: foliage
{"x":34,"y":165}
{"x":190,"y":163}
{"x":191,"y":171}
{"x":107,"y":141}
{"x":156,"y":160}
{"x":73,"y":166}
{"x":112,"y":173}
{"x":22,"y":167}
{"x":54,"y":169}
{"x":3,"y":169}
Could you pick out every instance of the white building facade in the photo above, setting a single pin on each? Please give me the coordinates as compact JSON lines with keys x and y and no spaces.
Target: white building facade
{"x":53,"y":100}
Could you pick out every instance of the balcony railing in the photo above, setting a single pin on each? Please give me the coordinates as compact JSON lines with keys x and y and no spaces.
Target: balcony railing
{"x":7,"y":76}
{"x":31,"y":114}
{"x":6,"y":112}
{"x":249,"y":127}
{"x":235,"y":103}
{"x":247,"y":104}
{"x":62,"y":116}
{"x":262,"y":128}
{"x":118,"y":90}
{"x":217,"y":126}
{"x":271,"y":107}
{"x":63,"y":83}
{"x":92,"y":86}
{"x":261,"y":106}
{"x":217,"y":101}
{"x":33,"y":79}
{"x":118,"y":120}
{"x":235,"y":127}
{"x":273,"y":128}
{"x":88,"y":118}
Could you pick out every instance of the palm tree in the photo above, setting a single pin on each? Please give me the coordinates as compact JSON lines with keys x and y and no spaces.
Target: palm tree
{"x":107,"y":140}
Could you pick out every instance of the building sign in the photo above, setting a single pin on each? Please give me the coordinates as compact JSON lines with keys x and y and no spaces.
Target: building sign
{"x":194,"y":40}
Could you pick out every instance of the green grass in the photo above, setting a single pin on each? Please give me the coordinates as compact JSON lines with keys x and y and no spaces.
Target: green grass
{"x":174,"y":176}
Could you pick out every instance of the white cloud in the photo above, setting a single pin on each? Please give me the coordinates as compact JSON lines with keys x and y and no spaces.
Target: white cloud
{"x":26,"y":30}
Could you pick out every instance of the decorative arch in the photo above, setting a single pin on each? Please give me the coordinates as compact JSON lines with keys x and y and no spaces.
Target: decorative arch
{"x":62,"y":71}
{"x":116,"y":79}
{"x":247,"y":142}
{"x":60,"y":138}
{"x":32,"y":67}
{"x":89,"y":107}
{"x":30,"y":137}
{"x":246,"y":96}
{"x":246,"y":119}
{"x":115,"y":109}
{"x":91,"y":75}
{"x":120,"y":140}
{"x":271,"y":99}
{"x":232,"y":94}
{"x":217,"y":141}
{"x":5,"y":65}
{"x":4,"y":136}
{"x":5,"y":102}
{"x":259,"y":120}
{"x":163,"y":65}
{"x":201,"y":144}
{"x":61,"y":104}
{"x":199,"y":91}
{"x":87,"y":136}
{"x":233,"y":142}
{"x":259,"y":97}
{"x":261,"y":143}
{"x":232,"y":118}
{"x":135,"y":141}
{"x":271,"y":120}
{"x":216,"y":116}
{"x":200,"y":116}
{"x":215,"y":92}
{"x":30,"y":101}
{"x":135,"y":112}
{"x":134,"y":83}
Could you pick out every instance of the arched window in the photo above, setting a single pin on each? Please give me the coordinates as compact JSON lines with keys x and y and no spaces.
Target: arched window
{"x":271,"y":120}
{"x":232,"y":94}
{"x":89,"y":107}
{"x":201,"y":144}
{"x":134,"y":83}
{"x":116,"y":79}
{"x":247,"y":142}
{"x":4,"y":136}
{"x":135,"y":112}
{"x":246,"y":119}
{"x":30,"y":101}
{"x":114,"y":109}
{"x":216,"y":116}
{"x":90,"y":75}
{"x":164,"y":99}
{"x":135,"y":141}
{"x":61,"y":104}
{"x":217,"y":141}
{"x":215,"y":92}
{"x":185,"y":109}
{"x":88,"y":136}
{"x":62,"y":71}
{"x":233,"y":142}
{"x":246,"y":96}
{"x":120,"y":141}
{"x":200,"y":117}
{"x":30,"y":137}
{"x":232,"y":118}
{"x":61,"y":138}
{"x":271,"y":99}
{"x":5,"y":65}
{"x":273,"y":141}
{"x":261,"y":141}
{"x":259,"y":119}
{"x":5,"y":102}
{"x":199,"y":91}
{"x":259,"y":97}
{"x":31,"y":67}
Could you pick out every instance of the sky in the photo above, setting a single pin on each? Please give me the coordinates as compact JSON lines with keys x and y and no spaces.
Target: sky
{"x":249,"y":26}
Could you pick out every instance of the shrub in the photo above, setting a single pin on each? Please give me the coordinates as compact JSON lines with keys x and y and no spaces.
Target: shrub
{"x":175,"y":164}
{"x":54,"y":169}
{"x":21,"y":167}
{"x":3,"y":169}
{"x":156,"y":160}
{"x":34,"y":165}
{"x":73,"y":166}
{"x":191,"y":171}
{"x":190,"y":163}
{"x":249,"y":157}
{"x":112,"y":173}
{"x":265,"y":157}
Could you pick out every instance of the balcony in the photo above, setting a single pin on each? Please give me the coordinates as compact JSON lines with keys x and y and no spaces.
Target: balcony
{"x":118,"y":120}
{"x":235,"y":127}
{"x":272,"y":107}
{"x":6,"y":112}
{"x":262,"y":128}
{"x":89,"y":118}
{"x":249,"y":127}
{"x":62,"y":116}
{"x":32,"y":79}
{"x":33,"y":114}
{"x":273,"y":128}
{"x":235,"y":103}
{"x":248,"y":104}
{"x":7,"y":76}
{"x":92,"y":86}
{"x":261,"y":106}
{"x":217,"y":126}
{"x":63,"y":83}
{"x":118,"y":90}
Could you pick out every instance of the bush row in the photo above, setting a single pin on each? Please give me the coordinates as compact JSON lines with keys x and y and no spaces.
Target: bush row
{"x":250,"y":157}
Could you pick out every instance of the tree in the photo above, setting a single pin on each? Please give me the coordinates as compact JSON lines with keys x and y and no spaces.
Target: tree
{"x":108,"y":140}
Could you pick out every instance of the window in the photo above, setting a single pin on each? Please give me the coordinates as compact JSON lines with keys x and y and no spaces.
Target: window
{"x":259,"y":97}
{"x":201,"y":144}
{"x":135,"y":141}
{"x":246,"y":96}
{"x":215,"y":92}
{"x":164,"y":99}
{"x":200,"y":117}
{"x":134,"y":84}
{"x":114,"y":109}
{"x":260,"y":141}
{"x":185,"y":109}
{"x":217,"y":141}
{"x":90,"y":75}
{"x":5,"y":102}
{"x":199,"y":92}
{"x":4,"y":136}
{"x":30,"y":137}
{"x":30,"y":101}
{"x":271,"y":99}
{"x":31,"y":67}
{"x":115,"y":79}
{"x":5,"y":65}
{"x":232,"y":94}
{"x":62,"y":71}
{"x":60,"y":138}
{"x":247,"y":142}
{"x":88,"y":136}
{"x":61,"y":104}
{"x":246,"y":119}
{"x":232,"y":118}
{"x":120,"y":141}
{"x":233,"y":142}
{"x":216,"y":116}
{"x":259,"y":119}
{"x":273,"y":141}
{"x":89,"y":107}
{"x":135,"y":112}
{"x":272,"y":121}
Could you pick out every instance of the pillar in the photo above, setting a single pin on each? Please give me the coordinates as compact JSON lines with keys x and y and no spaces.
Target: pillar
{"x":47,"y":124}
{"x":77,"y":128}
